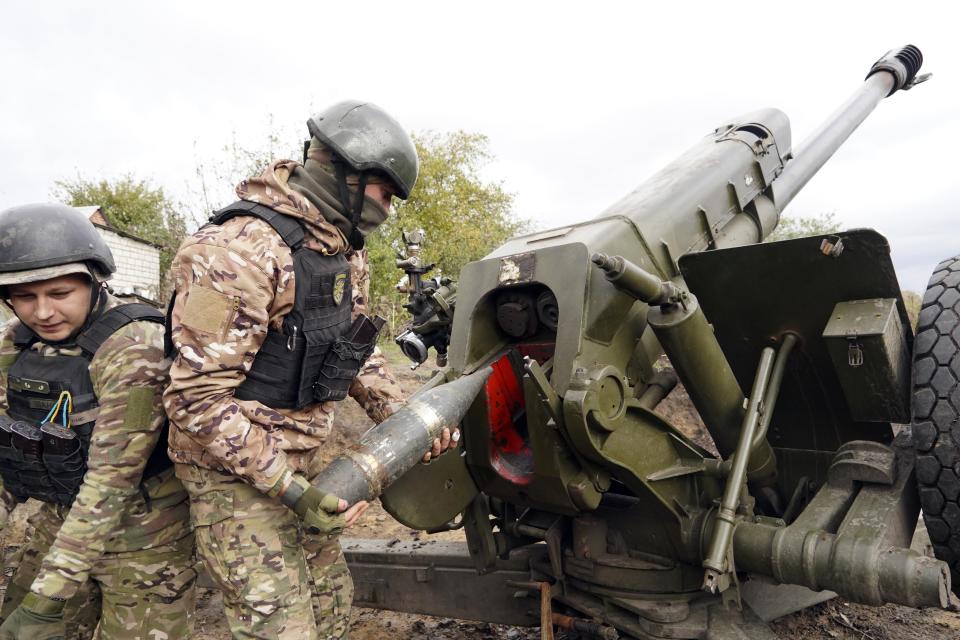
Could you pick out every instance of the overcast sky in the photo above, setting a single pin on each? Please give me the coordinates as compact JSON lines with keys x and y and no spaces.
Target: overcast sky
{"x":581,"y":101}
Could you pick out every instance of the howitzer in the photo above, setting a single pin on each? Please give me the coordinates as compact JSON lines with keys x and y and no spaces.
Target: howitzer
{"x":796,"y":355}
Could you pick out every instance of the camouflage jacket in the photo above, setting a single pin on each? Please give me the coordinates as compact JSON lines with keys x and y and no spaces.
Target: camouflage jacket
{"x":110,"y":513}
{"x":243,"y":272}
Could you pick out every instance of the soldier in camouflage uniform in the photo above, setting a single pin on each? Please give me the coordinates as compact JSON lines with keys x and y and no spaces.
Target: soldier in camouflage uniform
{"x":262,"y":308}
{"x":81,"y":612}
{"x":118,"y":518}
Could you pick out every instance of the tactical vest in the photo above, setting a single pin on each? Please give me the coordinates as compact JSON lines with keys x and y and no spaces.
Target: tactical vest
{"x":38,"y":458}
{"x":320,"y":350}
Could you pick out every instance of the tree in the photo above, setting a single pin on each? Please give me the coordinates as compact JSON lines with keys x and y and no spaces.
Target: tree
{"x":802,"y":226}
{"x":133,"y":206}
{"x":216,"y":179}
{"x":465,"y":217}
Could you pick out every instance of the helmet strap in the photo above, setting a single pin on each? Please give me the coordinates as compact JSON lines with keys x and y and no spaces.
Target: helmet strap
{"x":98,"y":300}
{"x":356,"y":238}
{"x":352,"y":209}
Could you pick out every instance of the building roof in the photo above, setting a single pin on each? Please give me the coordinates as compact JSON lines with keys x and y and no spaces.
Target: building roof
{"x":96,"y":215}
{"x":100,"y":220}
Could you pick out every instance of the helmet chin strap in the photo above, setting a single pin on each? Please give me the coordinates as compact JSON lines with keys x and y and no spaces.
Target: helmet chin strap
{"x":355,"y":208}
{"x":98,"y":298}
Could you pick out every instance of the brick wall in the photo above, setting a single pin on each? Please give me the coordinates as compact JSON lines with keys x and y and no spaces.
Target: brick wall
{"x":138,"y":265}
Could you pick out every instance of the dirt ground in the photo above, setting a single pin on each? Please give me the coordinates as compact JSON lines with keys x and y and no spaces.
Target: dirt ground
{"x":832,"y":620}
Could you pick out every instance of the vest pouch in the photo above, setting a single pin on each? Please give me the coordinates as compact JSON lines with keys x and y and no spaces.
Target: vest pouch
{"x":346,"y":357}
{"x":273,"y":377}
{"x":63,"y":458}
{"x":5,"y":423}
{"x":27,"y":442}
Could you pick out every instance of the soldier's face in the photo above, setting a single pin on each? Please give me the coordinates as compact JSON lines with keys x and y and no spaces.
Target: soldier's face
{"x":382,"y":192}
{"x":54,"y":309}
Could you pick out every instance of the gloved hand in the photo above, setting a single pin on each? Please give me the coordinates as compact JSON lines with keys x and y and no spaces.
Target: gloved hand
{"x":448,"y":440}
{"x":318,"y":510}
{"x":37,"y":618}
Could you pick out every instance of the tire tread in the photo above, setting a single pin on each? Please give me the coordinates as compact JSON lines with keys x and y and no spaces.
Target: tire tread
{"x":936,"y":412}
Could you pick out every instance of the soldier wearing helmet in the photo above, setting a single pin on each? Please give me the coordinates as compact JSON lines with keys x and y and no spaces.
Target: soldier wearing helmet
{"x":269,"y":328}
{"x":83,"y":431}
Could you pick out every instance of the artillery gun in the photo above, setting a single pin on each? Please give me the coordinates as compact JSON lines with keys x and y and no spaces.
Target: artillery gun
{"x":574,"y":490}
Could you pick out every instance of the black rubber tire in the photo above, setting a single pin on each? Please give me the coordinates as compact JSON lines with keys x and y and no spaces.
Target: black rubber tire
{"x":936,"y":412}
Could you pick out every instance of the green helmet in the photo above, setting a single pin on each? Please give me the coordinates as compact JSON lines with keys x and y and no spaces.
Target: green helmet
{"x":48,"y":240}
{"x":368,"y":138}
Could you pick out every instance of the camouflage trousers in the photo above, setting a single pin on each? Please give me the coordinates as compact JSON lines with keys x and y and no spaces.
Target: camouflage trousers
{"x":278,"y":581}
{"x":136,"y":595}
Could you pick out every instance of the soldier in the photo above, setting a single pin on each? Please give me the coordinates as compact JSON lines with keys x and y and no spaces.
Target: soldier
{"x":81,"y":380}
{"x":267,"y":339}
{"x":81,"y":613}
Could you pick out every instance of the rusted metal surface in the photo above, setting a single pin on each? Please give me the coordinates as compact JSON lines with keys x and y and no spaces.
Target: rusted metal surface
{"x":437,"y":578}
{"x":587,"y":628}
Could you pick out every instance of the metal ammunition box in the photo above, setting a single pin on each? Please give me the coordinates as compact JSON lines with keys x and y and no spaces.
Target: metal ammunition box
{"x":867,"y":343}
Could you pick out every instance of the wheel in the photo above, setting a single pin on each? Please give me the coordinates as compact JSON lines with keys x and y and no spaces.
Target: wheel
{"x":936,"y":412}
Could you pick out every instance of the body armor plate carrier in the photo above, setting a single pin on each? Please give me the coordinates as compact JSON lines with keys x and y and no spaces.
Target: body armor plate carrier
{"x":38,"y":458}
{"x":320,"y":350}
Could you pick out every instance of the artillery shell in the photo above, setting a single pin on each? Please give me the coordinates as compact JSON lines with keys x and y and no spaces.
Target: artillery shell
{"x":394,"y":446}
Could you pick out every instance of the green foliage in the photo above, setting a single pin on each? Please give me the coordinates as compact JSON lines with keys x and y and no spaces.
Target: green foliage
{"x":464,"y":216}
{"x":912,"y":301}
{"x":803,"y":226}
{"x":133,"y":206}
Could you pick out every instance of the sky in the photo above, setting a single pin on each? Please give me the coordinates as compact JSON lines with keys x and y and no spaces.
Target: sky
{"x":580,"y":101}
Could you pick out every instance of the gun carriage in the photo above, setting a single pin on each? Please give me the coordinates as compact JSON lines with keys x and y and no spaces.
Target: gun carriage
{"x":572,"y":488}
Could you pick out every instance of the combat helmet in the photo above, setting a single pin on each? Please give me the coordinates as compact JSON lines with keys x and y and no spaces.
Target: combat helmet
{"x":365,"y":140}
{"x":368,"y":138}
{"x":48,"y":240}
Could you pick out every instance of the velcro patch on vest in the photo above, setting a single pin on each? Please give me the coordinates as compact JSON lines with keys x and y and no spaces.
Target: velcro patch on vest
{"x":339,"y":284}
{"x":25,"y":384}
{"x":209,"y":311}
{"x":327,"y":290}
{"x":139,"y":411}
{"x":40,"y":403}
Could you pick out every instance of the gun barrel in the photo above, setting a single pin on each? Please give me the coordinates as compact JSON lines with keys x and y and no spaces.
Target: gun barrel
{"x":894,"y":71}
{"x":394,"y":446}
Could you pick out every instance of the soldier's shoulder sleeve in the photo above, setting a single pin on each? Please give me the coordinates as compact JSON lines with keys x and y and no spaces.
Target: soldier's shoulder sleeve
{"x":229,"y":289}
{"x":376,"y":389}
{"x":244,"y":254}
{"x":133,"y":353}
{"x":129,"y":372}
{"x":8,"y":354}
{"x":359,"y":280}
